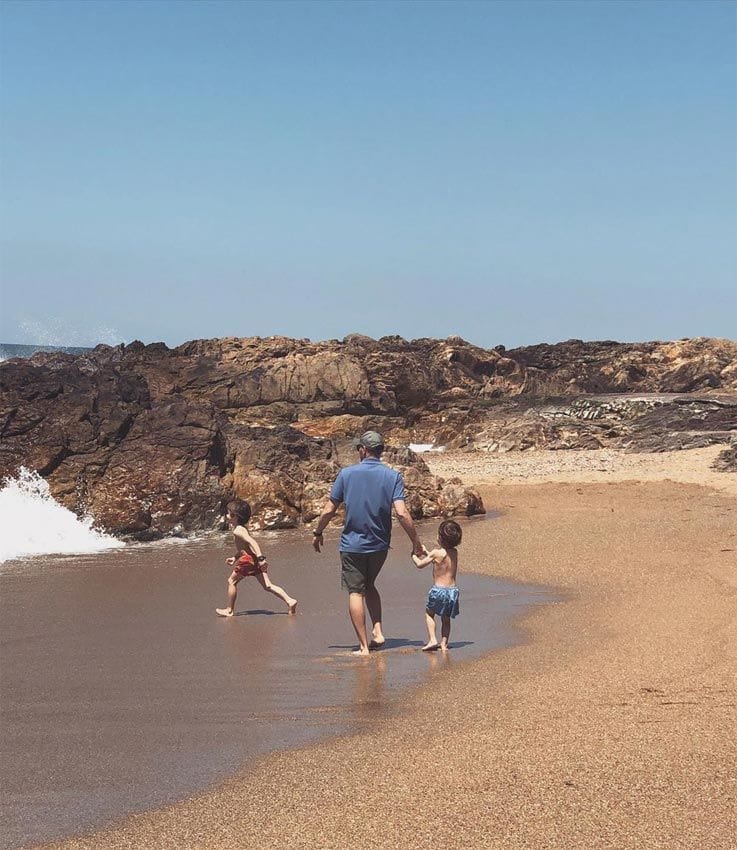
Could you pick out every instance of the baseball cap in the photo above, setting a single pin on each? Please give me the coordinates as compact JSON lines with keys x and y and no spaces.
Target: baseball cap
{"x":370,"y":440}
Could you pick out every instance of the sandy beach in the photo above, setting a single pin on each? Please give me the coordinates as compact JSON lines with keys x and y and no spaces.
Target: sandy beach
{"x":611,"y":726}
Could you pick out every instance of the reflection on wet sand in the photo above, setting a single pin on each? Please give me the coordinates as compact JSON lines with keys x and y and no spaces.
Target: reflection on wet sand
{"x":369,"y":687}
{"x":437,"y":661}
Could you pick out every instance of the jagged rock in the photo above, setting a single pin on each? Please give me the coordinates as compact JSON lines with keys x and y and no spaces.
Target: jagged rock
{"x":684,"y":366}
{"x":726,"y":461}
{"x":649,"y":423}
{"x":165,"y":473}
{"x":150,"y":440}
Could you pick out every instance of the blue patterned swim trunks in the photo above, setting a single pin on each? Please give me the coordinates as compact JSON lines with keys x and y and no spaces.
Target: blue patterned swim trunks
{"x":443,"y":601}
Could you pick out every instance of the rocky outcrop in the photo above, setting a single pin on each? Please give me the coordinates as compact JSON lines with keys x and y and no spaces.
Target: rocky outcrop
{"x":638,"y":423}
{"x":150,"y":439}
{"x":685,"y":366}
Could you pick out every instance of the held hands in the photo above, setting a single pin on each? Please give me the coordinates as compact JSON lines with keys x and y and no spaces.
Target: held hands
{"x":419,"y":553}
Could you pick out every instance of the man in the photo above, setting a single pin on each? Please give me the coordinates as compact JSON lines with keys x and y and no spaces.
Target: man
{"x":369,"y":489}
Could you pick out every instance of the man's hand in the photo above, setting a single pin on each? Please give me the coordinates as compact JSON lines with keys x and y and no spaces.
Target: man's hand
{"x":328,"y":512}
{"x":418,"y":549}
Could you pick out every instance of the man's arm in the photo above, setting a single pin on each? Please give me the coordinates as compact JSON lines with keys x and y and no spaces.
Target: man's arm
{"x":328,"y":512}
{"x":405,"y":520}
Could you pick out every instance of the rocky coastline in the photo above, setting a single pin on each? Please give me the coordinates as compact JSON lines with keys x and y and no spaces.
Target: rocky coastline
{"x":152,"y":441}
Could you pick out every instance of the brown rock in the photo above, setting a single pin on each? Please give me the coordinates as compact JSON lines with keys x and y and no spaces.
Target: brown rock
{"x":151,"y":439}
{"x":727,"y":460}
{"x":685,"y":366}
{"x":646,"y":423}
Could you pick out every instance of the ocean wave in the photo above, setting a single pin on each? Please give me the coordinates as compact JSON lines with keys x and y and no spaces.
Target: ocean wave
{"x":33,"y":523}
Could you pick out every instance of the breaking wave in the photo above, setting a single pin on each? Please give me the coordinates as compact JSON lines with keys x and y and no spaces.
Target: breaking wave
{"x":32,"y":522}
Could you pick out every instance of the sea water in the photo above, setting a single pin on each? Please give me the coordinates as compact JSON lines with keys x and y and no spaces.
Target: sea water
{"x":33,"y":523}
{"x":8,"y":350}
{"x":123,"y":691}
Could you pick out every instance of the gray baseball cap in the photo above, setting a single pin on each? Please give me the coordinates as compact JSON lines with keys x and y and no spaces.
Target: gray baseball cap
{"x":370,"y":440}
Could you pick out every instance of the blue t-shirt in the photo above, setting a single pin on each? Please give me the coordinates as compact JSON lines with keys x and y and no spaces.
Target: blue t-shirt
{"x":368,"y":490}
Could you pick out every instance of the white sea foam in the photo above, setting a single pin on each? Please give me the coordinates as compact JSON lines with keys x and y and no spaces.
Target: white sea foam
{"x":32,"y":522}
{"x":419,"y":448}
{"x":63,"y":333}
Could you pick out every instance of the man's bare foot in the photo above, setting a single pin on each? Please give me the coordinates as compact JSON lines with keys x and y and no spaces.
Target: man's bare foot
{"x":363,"y":650}
{"x":430,"y":647}
{"x":224,"y":612}
{"x":292,"y":606}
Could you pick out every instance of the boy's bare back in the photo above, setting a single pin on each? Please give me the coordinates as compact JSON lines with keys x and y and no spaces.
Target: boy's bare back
{"x":444,"y":566}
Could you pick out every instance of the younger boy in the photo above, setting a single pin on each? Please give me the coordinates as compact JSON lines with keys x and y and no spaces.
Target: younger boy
{"x":443,"y":596}
{"x":248,"y":560}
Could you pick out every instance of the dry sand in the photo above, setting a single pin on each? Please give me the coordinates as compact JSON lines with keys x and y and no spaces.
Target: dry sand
{"x":612,"y":726}
{"x":589,"y":466}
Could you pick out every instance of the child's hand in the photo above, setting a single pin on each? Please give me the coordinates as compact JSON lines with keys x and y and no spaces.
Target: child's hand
{"x":230,"y":561}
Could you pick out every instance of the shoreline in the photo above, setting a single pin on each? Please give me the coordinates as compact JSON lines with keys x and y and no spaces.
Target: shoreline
{"x":106,"y":725}
{"x":608,"y":726}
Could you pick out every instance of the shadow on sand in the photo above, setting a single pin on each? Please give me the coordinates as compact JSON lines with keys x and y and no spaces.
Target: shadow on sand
{"x":399,"y":643}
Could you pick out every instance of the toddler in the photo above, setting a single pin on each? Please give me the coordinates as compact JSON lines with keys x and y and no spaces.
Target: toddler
{"x":442,"y":600}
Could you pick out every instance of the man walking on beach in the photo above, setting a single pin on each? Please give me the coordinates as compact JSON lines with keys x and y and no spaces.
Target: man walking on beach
{"x":369,"y":489}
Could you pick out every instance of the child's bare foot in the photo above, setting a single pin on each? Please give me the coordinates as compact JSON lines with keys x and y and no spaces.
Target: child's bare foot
{"x":224,"y":612}
{"x":377,"y":643}
{"x":444,"y":647}
{"x":430,"y":647}
{"x":361,"y":651}
{"x":292,"y":606}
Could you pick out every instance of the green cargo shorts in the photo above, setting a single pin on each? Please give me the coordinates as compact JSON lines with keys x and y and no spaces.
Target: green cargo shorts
{"x":359,"y":571}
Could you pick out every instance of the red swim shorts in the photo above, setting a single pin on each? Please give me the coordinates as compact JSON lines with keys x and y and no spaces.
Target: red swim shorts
{"x":247,"y":566}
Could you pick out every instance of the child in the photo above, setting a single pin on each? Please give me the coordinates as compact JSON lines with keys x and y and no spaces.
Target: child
{"x":443,"y":597}
{"x":248,"y":560}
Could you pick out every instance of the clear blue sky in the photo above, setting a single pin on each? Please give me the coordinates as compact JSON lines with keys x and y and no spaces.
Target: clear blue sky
{"x":512,"y":172}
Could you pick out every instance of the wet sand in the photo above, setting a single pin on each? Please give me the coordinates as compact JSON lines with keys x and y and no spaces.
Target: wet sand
{"x":122,"y":691}
{"x":612,"y":726}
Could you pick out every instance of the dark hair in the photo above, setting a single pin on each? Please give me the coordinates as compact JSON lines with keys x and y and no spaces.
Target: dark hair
{"x":450,"y":534}
{"x":240,"y":509}
{"x":373,"y":452}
